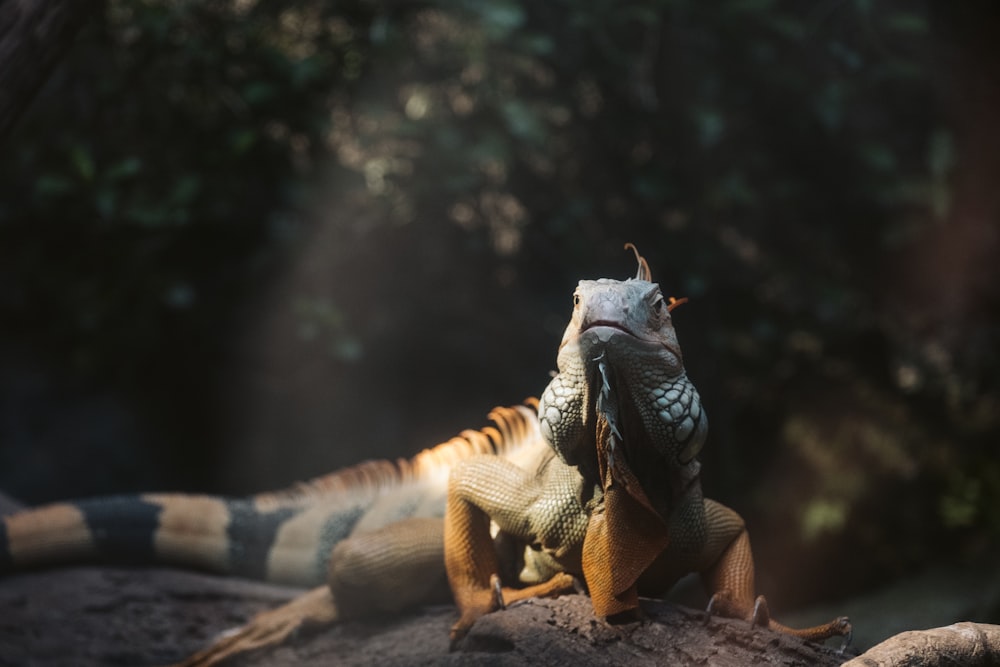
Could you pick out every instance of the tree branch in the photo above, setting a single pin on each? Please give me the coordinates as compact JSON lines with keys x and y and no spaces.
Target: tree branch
{"x":968,"y":644}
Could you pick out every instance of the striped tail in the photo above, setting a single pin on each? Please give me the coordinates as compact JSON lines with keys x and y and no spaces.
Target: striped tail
{"x":284,"y":537}
{"x":200,"y":532}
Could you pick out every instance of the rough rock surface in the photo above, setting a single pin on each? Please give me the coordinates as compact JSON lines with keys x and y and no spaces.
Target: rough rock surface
{"x":100,"y":616}
{"x":966,"y":644}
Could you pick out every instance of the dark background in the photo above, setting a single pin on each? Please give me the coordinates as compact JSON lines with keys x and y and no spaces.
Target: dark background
{"x":245,"y":243}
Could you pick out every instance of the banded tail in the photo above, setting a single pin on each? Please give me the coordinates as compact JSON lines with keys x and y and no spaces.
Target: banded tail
{"x":283,"y":537}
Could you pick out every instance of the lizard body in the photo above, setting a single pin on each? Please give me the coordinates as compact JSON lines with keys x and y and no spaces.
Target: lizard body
{"x":625,"y":425}
{"x":283,"y":537}
{"x":600,"y":482}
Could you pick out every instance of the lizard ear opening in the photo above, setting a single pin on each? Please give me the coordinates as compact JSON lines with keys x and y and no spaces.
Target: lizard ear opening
{"x":643,"y":273}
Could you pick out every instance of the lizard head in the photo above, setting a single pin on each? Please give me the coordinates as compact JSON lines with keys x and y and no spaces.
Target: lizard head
{"x":633,"y":311}
{"x":633,"y":308}
{"x":620,"y":362}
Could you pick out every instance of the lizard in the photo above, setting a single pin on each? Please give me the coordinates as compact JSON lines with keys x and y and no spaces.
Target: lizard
{"x":596,"y":485}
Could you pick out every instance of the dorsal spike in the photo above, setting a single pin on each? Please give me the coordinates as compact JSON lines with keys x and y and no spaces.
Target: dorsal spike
{"x":643,"y":273}
{"x":512,"y":429}
{"x":674,"y":302}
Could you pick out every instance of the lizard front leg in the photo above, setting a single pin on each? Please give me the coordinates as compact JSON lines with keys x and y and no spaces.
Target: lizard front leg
{"x":730,"y":580}
{"x":482,"y":489}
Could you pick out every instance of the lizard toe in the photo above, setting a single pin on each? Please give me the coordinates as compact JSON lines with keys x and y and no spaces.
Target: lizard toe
{"x":761,"y":616}
{"x":844,"y":624}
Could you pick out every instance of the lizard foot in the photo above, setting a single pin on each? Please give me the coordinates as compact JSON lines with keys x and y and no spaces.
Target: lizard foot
{"x":475,"y":604}
{"x":498,"y":597}
{"x":723,"y":603}
{"x":720,"y":604}
{"x":269,"y":628}
{"x":838,"y":627}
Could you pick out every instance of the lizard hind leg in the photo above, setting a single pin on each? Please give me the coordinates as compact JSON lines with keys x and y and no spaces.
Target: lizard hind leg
{"x":730,"y":581}
{"x":382,"y":571}
{"x":270,"y":628}
{"x":387,"y":570}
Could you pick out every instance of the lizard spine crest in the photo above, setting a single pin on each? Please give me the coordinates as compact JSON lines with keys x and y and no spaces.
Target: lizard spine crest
{"x":513,"y":428}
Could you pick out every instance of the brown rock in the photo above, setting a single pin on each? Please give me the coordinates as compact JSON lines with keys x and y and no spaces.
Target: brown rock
{"x":90,"y":617}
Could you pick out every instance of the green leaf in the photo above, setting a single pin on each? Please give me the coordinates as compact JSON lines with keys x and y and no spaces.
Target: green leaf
{"x":961,"y":507}
{"x":347,"y":348}
{"x":845,"y":54}
{"x":259,"y":92}
{"x":147,"y":216}
{"x":789,"y":28}
{"x":186,"y":189}
{"x":748,"y":6}
{"x":124,"y":169}
{"x":537,"y":44}
{"x":106,"y":201}
{"x":822,"y":516}
{"x":522,"y":121}
{"x":878,"y":156}
{"x":830,"y":105}
{"x":651,"y":187}
{"x":907,"y":22}
{"x":499,"y":19}
{"x":180,"y":295}
{"x":83,"y":162}
{"x":307,"y":70}
{"x":242,"y":140}
{"x":506,"y":16}
{"x":711,"y":126}
{"x":53,"y":186}
{"x":940,"y":154}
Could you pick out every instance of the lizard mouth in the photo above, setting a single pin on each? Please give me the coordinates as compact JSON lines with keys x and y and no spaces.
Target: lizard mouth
{"x":605,"y":330}
{"x":607,"y":324}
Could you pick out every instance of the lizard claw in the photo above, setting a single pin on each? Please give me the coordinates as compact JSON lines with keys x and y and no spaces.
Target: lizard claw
{"x":761,"y":616}
{"x":720,"y":604}
{"x":710,"y":608}
{"x":497,"y":589}
{"x":845,"y":623}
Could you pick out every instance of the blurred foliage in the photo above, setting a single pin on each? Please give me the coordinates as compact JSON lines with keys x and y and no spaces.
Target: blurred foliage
{"x":780,"y":163}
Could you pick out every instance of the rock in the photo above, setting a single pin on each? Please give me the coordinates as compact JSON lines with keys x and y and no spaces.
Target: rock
{"x":966,"y":644}
{"x":102,"y":616}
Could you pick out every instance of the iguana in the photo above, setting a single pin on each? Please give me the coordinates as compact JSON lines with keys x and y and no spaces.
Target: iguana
{"x":596,"y":484}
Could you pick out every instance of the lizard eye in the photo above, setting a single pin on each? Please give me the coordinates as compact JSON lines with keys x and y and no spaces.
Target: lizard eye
{"x":659,"y":305}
